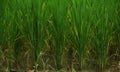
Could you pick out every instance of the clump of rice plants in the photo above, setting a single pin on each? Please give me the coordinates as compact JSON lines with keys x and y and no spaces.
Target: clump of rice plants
{"x":80,"y":28}
{"x":58,"y":28}
{"x":33,"y":25}
{"x":103,"y":29}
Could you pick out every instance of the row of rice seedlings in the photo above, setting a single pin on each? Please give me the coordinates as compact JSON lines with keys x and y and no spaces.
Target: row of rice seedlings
{"x":80,"y":28}
{"x":30,"y":18}
{"x":102,"y":25}
{"x":27,"y":18}
{"x":102,"y":30}
{"x":58,"y":28}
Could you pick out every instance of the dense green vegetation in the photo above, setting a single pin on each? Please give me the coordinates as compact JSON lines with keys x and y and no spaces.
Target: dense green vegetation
{"x":53,"y":34}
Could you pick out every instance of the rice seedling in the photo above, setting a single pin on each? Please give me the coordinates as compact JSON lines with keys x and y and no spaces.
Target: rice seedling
{"x":81,"y":28}
{"x":10,"y":31}
{"x":33,"y":25}
{"x":58,"y":28}
{"x":103,"y":28}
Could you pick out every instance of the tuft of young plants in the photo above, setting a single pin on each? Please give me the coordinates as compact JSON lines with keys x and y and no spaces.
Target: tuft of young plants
{"x":58,"y":28}
{"x":34,"y":28}
{"x":103,"y":26}
{"x":80,"y":28}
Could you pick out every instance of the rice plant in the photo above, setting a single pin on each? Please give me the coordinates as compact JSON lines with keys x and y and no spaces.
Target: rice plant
{"x":34,"y":28}
{"x":103,"y":28}
{"x":58,"y":28}
{"x":8,"y":31}
{"x":81,"y":28}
